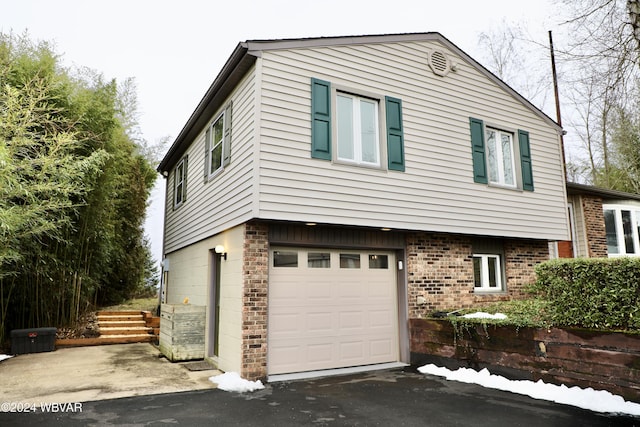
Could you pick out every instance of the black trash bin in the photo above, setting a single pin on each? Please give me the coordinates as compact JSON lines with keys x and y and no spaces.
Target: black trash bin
{"x":36,"y":340}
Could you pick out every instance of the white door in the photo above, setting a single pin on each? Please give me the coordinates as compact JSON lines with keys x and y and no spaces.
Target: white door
{"x":330,"y":309}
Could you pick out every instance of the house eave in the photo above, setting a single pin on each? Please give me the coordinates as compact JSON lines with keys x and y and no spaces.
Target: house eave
{"x":232,"y":72}
{"x":577,"y":189}
{"x":258,"y":46}
{"x":245,"y":54}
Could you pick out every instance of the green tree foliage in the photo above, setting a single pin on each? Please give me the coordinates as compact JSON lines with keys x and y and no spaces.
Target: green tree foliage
{"x":73,"y":189}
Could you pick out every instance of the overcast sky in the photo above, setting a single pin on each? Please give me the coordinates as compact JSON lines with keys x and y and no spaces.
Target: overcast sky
{"x":174,"y":49}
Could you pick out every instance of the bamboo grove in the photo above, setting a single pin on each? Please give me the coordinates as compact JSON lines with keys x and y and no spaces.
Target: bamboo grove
{"x":73,"y":190}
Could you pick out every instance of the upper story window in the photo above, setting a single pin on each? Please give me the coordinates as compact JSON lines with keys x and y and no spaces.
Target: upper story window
{"x":356,"y":128}
{"x":218,"y":144}
{"x":622,"y":228}
{"x":180,"y":183}
{"x":215,"y":145}
{"x":498,"y":159}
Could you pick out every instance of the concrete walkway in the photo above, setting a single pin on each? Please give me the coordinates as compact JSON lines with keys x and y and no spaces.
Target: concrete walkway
{"x":84,"y":374}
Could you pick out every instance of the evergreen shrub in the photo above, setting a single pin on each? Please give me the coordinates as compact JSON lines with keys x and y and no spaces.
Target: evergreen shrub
{"x":592,"y":293}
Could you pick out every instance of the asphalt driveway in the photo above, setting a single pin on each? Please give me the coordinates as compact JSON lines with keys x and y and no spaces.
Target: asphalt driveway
{"x":399,"y":397}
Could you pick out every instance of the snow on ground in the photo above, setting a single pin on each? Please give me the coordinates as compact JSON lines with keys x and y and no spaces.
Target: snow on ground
{"x":593,"y":400}
{"x":231,"y":381}
{"x":483,"y":315}
{"x":4,"y":356}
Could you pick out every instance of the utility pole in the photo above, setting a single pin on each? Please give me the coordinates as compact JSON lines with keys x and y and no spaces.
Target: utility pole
{"x":558,"y":115}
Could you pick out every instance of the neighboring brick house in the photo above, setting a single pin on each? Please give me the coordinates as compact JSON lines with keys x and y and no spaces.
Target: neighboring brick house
{"x":327,"y":190}
{"x":604,"y":223}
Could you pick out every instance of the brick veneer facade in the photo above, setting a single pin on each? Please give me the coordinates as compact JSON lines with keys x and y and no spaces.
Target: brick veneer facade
{"x":440,"y":269}
{"x":521,"y":258}
{"x":255,"y":279}
{"x":594,"y":226}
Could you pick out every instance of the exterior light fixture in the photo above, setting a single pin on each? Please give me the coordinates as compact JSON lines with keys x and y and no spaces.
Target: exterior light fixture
{"x":220,"y":250}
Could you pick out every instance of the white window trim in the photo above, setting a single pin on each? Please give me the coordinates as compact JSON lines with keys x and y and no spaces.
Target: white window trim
{"x":484,"y":279}
{"x":381,"y":134}
{"x":500,"y":156}
{"x":176,"y":183}
{"x":213,"y":145}
{"x":635,"y":216}
{"x":357,"y":125}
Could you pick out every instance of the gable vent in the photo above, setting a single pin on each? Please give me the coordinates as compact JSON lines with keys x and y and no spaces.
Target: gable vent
{"x":439,"y":63}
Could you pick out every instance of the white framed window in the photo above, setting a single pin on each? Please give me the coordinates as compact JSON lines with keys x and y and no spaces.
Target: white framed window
{"x":216,"y":146}
{"x":217,"y":154}
{"x":180,"y":183}
{"x":622,"y":228}
{"x":358,"y":139}
{"x":487,"y":273}
{"x":500,"y":157}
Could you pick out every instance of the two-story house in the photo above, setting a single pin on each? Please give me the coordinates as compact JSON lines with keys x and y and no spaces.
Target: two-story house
{"x":326,"y":190}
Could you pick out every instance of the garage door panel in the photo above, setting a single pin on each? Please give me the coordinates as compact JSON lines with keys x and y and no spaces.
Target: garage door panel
{"x":356,"y":291}
{"x":319,"y":323}
{"x":381,"y":318}
{"x":317,"y":292}
{"x":320,"y":353}
{"x":284,"y":324}
{"x":287,"y":355}
{"x":331,"y":317}
{"x":351,"y":352}
{"x":380,"y":347}
{"x":350,"y":320}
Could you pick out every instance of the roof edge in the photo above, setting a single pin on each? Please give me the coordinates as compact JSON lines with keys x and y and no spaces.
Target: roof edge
{"x":254,"y":48}
{"x":576,"y":188}
{"x":239,"y":54}
{"x":263,"y":45}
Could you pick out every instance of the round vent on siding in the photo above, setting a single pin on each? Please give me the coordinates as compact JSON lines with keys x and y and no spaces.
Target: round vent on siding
{"x":439,"y":63}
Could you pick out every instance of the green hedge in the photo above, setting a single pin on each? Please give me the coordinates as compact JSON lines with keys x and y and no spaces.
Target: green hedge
{"x":592,"y":293}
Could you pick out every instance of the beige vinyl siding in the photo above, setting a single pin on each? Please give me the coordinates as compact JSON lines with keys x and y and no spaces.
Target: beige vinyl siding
{"x":437,"y":192}
{"x":190,"y":277}
{"x":581,"y":232}
{"x":226,"y":200}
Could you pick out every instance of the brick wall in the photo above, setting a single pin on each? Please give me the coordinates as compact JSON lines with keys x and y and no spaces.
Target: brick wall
{"x":521,"y":257}
{"x":594,"y":226}
{"x":440,"y":269}
{"x":255,"y":276}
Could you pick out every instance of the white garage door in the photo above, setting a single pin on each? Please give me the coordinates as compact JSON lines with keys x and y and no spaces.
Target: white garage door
{"x":331,"y":309}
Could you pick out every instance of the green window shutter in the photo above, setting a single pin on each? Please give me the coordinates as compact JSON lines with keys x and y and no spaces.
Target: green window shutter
{"x":226,"y":143}
{"x":395,"y":134}
{"x":207,"y":144}
{"x":477,"y":151}
{"x":525,"y":160}
{"x":320,"y":119}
